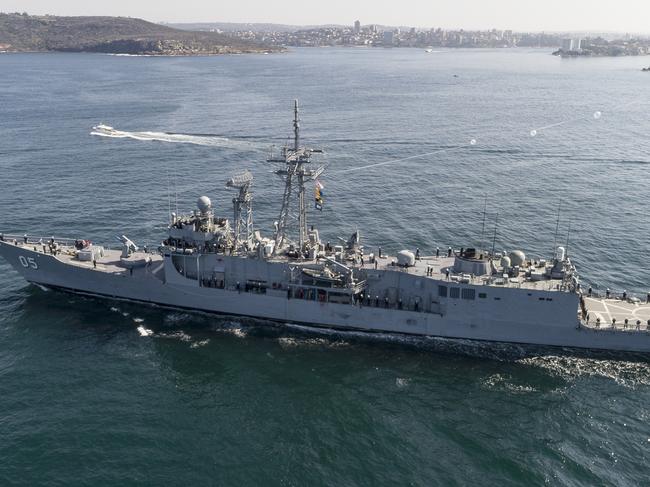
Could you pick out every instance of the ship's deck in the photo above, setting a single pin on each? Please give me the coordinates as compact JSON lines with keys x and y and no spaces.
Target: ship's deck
{"x":111,"y":262}
{"x":439,"y":265}
{"x":610,"y":314}
{"x":426,"y":266}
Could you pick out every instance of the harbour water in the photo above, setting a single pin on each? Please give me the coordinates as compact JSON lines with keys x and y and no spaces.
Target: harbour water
{"x":97,"y":392}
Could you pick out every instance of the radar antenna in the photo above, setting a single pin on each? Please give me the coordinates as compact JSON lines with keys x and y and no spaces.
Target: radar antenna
{"x":295,"y":173}
{"x":243,"y":208}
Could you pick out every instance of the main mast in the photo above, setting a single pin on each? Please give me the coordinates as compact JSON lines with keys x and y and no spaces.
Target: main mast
{"x":296,"y":173}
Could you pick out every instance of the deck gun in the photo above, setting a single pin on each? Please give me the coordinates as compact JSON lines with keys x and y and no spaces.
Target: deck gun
{"x":128,"y":247}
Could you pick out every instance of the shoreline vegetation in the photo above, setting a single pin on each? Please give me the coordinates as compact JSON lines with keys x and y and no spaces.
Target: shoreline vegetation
{"x":115,"y":35}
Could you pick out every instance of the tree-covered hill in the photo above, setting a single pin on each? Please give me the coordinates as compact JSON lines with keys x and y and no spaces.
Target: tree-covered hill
{"x":22,"y":32}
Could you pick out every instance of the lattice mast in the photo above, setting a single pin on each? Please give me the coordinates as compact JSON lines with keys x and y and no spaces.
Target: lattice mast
{"x":242,"y":209}
{"x":295,"y":172}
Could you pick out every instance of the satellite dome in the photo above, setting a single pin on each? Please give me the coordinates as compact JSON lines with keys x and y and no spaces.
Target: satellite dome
{"x":406,"y":258}
{"x":204,"y":204}
{"x":517,"y":258}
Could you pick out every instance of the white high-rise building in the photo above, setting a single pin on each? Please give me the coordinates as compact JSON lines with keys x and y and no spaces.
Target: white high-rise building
{"x":574,"y":44}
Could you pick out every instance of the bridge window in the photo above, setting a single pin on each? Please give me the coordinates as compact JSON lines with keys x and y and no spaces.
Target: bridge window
{"x":442,"y":291}
{"x":482,"y":295}
{"x":454,"y":292}
{"x":469,"y":294}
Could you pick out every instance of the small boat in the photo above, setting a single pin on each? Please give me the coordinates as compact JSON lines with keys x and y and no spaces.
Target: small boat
{"x":428,"y":51}
{"x":103,"y":128}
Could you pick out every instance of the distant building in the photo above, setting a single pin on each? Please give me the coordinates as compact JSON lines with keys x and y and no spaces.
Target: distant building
{"x":389,"y":35}
{"x":571,"y":44}
{"x":357,"y":27}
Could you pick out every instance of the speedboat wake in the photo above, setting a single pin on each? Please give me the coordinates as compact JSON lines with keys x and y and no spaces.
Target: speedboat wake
{"x":103,"y":130}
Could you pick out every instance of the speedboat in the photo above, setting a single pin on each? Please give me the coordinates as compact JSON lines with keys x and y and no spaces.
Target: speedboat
{"x":103,"y":128}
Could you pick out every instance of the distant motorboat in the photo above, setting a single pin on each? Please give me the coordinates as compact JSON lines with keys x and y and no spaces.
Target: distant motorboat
{"x":428,"y":51}
{"x":102,"y":128}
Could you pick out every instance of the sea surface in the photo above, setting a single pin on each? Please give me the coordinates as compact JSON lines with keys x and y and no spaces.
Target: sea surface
{"x":94,"y":392}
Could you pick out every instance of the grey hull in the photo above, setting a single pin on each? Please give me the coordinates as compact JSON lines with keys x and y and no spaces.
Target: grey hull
{"x":513,"y":318}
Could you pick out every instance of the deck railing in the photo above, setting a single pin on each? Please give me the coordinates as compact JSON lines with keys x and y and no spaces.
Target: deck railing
{"x":632,"y":326}
{"x":616,"y":295}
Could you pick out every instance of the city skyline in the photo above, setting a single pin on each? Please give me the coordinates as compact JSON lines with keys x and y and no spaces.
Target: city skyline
{"x":551,"y":15}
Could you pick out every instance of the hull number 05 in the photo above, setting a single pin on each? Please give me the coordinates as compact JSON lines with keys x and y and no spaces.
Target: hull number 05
{"x":28,"y":262}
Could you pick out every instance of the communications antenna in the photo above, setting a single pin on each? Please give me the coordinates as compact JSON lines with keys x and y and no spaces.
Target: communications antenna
{"x":494,"y":239}
{"x":557,"y":226}
{"x":483,"y":230}
{"x":243,"y":208}
{"x":296,"y":171}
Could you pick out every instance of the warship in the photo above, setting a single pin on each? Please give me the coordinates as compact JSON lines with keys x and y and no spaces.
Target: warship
{"x":210,"y":263}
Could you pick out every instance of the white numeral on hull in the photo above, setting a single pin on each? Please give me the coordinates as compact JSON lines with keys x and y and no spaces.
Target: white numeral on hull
{"x":28,"y":262}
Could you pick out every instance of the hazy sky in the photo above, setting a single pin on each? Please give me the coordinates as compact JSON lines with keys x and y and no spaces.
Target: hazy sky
{"x":594,"y":15}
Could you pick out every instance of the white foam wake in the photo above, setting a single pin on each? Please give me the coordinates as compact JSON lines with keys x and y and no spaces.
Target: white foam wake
{"x":630,"y":374}
{"x":144,"y":332}
{"x":102,"y":130}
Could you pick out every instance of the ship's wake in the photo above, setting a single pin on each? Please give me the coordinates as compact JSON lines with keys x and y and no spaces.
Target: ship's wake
{"x":208,"y":140}
{"x":473,"y":348}
{"x":625,"y":373}
{"x":567,"y":364}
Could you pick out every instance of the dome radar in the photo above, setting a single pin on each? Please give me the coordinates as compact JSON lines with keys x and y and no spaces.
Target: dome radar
{"x":204,"y":204}
{"x":517,"y":258}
